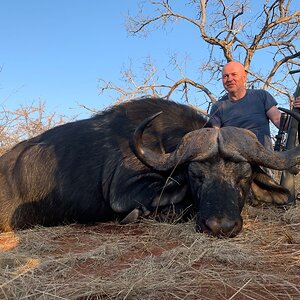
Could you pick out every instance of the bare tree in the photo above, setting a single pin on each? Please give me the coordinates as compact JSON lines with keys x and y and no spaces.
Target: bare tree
{"x":25,"y":122}
{"x":232,"y":30}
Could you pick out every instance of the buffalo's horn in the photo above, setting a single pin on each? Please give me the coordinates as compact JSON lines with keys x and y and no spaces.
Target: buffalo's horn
{"x":137,"y":146}
{"x":201,"y":143}
{"x":242,"y":145}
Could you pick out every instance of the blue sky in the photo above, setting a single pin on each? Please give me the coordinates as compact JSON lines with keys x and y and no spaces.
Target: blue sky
{"x":56,"y":50}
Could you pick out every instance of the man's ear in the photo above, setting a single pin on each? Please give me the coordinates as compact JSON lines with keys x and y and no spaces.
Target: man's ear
{"x":245,"y":78}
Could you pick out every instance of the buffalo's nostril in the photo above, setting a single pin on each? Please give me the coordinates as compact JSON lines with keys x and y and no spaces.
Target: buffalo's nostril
{"x":227,"y":226}
{"x":213,"y":224}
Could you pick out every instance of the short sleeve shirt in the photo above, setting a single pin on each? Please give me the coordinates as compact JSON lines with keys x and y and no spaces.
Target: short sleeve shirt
{"x":248,"y":112}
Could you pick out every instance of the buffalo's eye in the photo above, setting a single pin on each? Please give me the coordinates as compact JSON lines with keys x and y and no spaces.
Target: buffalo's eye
{"x":244,"y":173}
{"x":197,"y":175}
{"x":245,"y":179}
{"x":197,"y":179}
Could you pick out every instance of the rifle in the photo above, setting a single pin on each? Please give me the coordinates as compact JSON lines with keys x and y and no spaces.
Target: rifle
{"x":287,"y":179}
{"x":280,"y":142}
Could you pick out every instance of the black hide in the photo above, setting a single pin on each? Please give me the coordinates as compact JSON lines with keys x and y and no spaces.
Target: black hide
{"x":85,"y":171}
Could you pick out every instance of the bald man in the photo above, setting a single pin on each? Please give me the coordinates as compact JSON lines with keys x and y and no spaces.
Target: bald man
{"x":251,"y":109}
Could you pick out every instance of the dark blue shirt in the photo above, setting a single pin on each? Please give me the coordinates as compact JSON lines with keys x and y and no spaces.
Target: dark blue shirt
{"x":248,"y":112}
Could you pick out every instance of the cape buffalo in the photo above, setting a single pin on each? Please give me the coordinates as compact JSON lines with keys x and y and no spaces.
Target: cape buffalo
{"x":134,"y":158}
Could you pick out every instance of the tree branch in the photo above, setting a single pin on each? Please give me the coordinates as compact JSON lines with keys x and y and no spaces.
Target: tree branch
{"x":277,"y":65}
{"x":193,"y":83}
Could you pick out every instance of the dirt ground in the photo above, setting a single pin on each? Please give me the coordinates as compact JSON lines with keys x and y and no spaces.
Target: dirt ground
{"x":152,"y":260}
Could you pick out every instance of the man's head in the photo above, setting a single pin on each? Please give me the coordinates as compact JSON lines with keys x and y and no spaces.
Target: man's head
{"x":234,"y":78}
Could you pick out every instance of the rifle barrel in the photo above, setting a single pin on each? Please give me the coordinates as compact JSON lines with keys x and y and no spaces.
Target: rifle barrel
{"x":294,"y":71}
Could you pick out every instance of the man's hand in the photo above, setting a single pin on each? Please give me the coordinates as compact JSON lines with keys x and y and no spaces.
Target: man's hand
{"x":296,"y":102}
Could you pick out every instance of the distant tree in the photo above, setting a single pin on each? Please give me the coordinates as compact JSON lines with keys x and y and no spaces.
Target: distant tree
{"x":25,"y":122}
{"x":232,"y":30}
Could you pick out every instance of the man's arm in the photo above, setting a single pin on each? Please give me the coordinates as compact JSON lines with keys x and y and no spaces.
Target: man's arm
{"x":214,"y":116}
{"x":274,"y":115}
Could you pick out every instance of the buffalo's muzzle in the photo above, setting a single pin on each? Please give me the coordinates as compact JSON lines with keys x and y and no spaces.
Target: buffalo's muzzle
{"x":223,"y":227}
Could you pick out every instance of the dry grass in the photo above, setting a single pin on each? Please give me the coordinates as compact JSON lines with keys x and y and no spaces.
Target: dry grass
{"x":154,"y":260}
{"x":148,"y":260}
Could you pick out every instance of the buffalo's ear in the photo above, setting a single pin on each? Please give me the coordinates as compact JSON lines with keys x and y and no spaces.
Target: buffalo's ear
{"x":266,"y":190}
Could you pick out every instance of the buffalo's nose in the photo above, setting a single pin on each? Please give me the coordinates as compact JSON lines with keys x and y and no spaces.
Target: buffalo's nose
{"x":223,"y":227}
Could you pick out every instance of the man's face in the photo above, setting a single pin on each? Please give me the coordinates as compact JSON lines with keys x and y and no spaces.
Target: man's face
{"x":234,"y":77}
